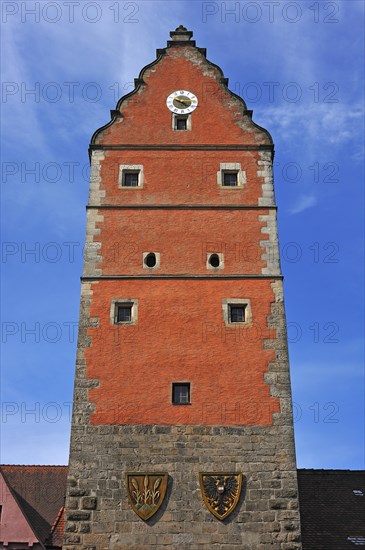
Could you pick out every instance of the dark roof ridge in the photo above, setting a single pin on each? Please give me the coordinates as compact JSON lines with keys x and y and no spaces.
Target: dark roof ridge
{"x":329,"y":471}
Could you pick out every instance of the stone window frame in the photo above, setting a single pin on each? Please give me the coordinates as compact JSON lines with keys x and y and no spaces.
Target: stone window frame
{"x":178,"y":382}
{"x":174,"y":118}
{"x":124,"y":302}
{"x":231,"y":167}
{"x":158,"y":260}
{"x":221,"y":261}
{"x":135,"y":168}
{"x":226,"y":302}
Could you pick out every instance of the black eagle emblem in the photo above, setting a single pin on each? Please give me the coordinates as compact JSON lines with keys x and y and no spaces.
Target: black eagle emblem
{"x":221,"y":492}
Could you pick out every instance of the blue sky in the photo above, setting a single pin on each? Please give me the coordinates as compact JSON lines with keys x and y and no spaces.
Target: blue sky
{"x":299,"y":66}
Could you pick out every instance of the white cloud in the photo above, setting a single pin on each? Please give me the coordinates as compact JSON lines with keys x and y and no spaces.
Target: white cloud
{"x":324,"y":124}
{"x":303,"y":203}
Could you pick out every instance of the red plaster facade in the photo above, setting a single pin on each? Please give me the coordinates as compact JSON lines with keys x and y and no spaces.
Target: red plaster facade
{"x":181,"y":176}
{"x":180,"y":334}
{"x":125,"y":235}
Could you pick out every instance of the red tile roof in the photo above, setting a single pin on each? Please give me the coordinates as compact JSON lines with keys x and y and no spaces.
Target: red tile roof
{"x":40,"y":492}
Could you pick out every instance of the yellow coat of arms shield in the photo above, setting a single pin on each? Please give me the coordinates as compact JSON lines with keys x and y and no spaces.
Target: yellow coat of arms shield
{"x":146,"y":492}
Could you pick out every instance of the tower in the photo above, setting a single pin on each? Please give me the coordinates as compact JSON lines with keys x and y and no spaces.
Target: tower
{"x":182,"y":376}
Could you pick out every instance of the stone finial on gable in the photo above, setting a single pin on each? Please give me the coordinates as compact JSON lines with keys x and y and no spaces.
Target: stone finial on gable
{"x":181,"y":34}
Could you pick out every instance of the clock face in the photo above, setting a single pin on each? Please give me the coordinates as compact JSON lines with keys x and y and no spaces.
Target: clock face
{"x":182,"y":102}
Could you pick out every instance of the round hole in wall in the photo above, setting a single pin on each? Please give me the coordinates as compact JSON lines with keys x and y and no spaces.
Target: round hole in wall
{"x":214,"y":260}
{"x":150,"y":260}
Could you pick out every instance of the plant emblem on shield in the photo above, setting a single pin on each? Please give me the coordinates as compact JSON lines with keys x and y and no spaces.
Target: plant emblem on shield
{"x":146,"y":492}
{"x":221,"y":492}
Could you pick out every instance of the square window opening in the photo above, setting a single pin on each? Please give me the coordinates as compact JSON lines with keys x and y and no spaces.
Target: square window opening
{"x":230,"y":179}
{"x":237,"y":313}
{"x":181,"y":122}
{"x":181,"y":393}
{"x":124,"y":313}
{"x":130,"y":179}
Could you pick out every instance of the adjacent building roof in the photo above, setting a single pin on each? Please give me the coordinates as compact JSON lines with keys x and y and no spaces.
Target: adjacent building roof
{"x":40,"y":493}
{"x":332,"y":509}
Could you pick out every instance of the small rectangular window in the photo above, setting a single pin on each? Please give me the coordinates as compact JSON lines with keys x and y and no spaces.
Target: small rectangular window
{"x":130,"y":179}
{"x":131,"y":176}
{"x":181,"y":393}
{"x":181,"y":123}
{"x":230,"y":174}
{"x":124,"y":313}
{"x":230,"y":179}
{"x":237,"y":313}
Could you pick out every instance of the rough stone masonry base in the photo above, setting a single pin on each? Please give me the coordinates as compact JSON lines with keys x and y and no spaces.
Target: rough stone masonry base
{"x":99,"y":515}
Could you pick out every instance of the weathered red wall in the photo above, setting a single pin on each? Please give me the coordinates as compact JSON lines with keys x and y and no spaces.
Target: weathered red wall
{"x":181,"y":177}
{"x":180,"y":334}
{"x":183,"y":239}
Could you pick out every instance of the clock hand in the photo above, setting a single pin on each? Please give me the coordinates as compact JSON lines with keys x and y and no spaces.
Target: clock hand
{"x":183,"y":101}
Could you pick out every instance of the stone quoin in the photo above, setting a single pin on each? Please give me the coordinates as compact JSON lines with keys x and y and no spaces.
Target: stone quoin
{"x":182,"y":362}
